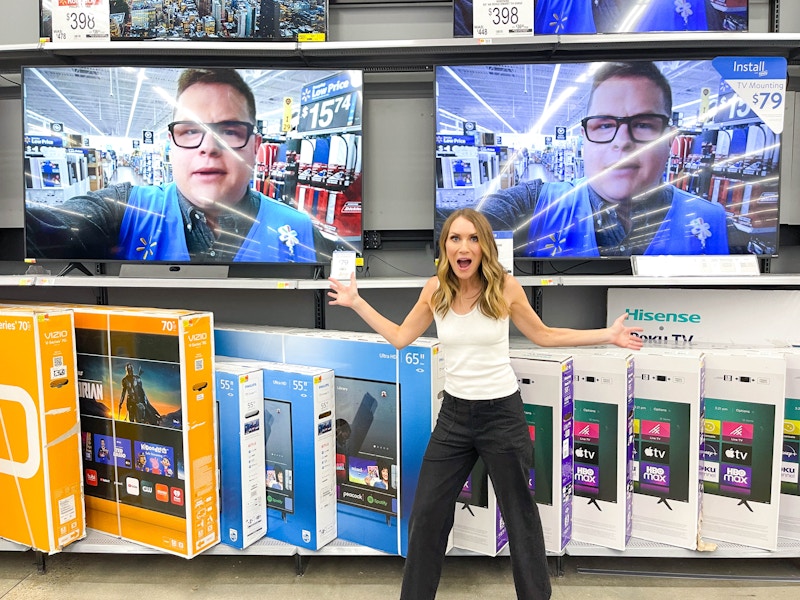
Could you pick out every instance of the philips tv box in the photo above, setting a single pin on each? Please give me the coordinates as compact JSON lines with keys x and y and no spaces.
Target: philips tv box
{"x":545,"y":382}
{"x":243,"y":492}
{"x":377,"y":389}
{"x":744,"y":402}
{"x":602,"y":506}
{"x":149,"y":425}
{"x":40,"y":462}
{"x":667,"y":437}
{"x":299,"y":463}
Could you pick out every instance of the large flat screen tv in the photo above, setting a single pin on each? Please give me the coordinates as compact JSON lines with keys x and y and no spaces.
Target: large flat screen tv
{"x":204,"y":20}
{"x":613,"y":159}
{"x":195,"y":165}
{"x":564,"y":17}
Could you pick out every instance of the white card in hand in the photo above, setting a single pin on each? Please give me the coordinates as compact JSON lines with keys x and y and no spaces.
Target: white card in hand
{"x":343,"y":264}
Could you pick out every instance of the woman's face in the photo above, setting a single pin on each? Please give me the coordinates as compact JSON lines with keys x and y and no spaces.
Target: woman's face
{"x":463,"y":249}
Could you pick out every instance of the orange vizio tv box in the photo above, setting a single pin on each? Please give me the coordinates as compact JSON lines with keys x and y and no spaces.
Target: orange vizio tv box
{"x":40,"y":460}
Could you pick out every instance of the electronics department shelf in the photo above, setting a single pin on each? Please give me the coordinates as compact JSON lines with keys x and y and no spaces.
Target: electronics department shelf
{"x":417,"y":52}
{"x":770,"y":281}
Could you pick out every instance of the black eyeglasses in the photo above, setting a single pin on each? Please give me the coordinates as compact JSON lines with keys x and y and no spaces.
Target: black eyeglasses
{"x":190,"y":134}
{"x":602,"y":129}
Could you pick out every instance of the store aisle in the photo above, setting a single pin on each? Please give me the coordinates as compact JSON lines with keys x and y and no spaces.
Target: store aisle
{"x":133,"y":577}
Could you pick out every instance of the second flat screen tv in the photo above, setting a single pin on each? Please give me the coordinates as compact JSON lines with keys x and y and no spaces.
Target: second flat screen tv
{"x":609,"y":160}
{"x":198,"y":165}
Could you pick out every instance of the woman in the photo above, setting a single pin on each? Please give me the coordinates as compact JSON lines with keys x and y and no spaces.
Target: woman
{"x":471,"y":298}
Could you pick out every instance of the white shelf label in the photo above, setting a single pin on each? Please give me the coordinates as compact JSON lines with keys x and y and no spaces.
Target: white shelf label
{"x":502,"y":18}
{"x":709,"y":266}
{"x":81,"y":21}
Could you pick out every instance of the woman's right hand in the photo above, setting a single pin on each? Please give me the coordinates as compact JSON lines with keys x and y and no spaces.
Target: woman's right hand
{"x":343,"y":294}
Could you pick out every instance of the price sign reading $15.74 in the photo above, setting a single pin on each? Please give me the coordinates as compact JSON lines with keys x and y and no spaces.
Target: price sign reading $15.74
{"x":502,"y":18}
{"x":80,"y":20}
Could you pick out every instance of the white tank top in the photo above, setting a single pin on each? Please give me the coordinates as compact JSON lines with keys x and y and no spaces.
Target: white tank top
{"x":476,"y":361}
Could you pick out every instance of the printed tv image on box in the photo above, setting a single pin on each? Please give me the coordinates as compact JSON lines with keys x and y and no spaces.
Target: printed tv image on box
{"x":614,"y":159}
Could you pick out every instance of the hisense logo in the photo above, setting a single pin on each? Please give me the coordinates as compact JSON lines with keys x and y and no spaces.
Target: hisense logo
{"x":639,"y":314}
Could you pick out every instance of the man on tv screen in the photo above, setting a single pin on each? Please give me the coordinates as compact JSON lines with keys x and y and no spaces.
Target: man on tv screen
{"x":208,"y":214}
{"x":621,"y":207}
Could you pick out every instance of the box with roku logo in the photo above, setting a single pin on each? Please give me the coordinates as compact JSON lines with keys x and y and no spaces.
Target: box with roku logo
{"x":40,"y":468}
{"x":603,"y":446}
{"x":299,"y":469}
{"x":744,"y":404}
{"x":667,"y":439}
{"x":148,"y":425}
{"x":546,"y":384}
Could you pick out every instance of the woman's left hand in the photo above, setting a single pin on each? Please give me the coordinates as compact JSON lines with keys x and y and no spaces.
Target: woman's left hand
{"x":623,"y":336}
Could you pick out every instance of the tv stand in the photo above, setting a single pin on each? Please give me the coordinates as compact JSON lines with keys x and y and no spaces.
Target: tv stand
{"x":664,"y":502}
{"x":73,"y":266}
{"x":466,"y":507}
{"x":594,"y":501}
{"x":747,"y":506}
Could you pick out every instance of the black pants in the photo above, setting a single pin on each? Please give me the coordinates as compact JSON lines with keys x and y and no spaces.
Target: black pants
{"x":496,"y":431}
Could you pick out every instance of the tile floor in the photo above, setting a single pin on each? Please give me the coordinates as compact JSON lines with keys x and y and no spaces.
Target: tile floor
{"x":77,"y":576}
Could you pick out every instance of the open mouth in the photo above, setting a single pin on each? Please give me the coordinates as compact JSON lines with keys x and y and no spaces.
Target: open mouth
{"x":464,"y":263}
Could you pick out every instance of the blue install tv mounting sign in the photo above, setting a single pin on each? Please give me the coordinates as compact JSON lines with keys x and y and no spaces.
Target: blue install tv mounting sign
{"x":759,"y":83}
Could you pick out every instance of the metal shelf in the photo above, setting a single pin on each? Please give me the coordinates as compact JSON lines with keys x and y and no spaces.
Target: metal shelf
{"x":408,"y":54}
{"x":97,"y":542}
{"x":6,"y":545}
{"x":767,"y":280}
{"x":638,"y":548}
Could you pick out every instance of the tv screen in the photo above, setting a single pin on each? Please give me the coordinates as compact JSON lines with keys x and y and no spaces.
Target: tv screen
{"x":601,"y":159}
{"x":279,"y":455}
{"x":738,"y":450}
{"x":560,"y":17}
{"x":595,"y":451}
{"x":194,"y":165}
{"x":262,"y":21}
{"x":661,"y":448}
{"x":366,"y":444}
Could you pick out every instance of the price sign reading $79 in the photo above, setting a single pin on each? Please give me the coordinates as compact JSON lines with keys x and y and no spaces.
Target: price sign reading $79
{"x":80,"y":20}
{"x":502,"y":18}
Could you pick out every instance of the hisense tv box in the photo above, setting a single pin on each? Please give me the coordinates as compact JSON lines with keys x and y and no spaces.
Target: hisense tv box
{"x":789,"y":515}
{"x":602,"y":506}
{"x":546,"y":384}
{"x":667,"y":439}
{"x":743,"y":437}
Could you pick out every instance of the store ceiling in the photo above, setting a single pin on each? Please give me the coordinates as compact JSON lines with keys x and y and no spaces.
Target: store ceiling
{"x":537,"y":98}
{"x":124,"y":101}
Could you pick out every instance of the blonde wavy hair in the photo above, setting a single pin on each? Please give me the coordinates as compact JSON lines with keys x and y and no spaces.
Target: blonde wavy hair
{"x":491,"y":302}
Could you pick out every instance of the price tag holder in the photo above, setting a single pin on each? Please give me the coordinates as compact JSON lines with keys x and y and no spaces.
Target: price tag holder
{"x":695,"y":266}
{"x":81,"y":21}
{"x":502,"y":18}
{"x":343,"y":264}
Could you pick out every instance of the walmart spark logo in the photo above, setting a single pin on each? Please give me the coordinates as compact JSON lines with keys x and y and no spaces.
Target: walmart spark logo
{"x":559,"y":23}
{"x":555,"y":245}
{"x":147,"y":248}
